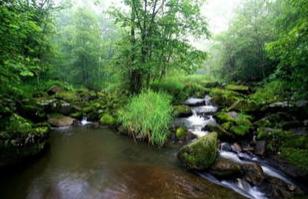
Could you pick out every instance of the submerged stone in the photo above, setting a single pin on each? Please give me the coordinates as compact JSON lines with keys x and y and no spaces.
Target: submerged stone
{"x":60,"y":121}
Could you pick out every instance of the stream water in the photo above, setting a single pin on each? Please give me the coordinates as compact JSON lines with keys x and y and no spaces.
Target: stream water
{"x":86,"y":163}
{"x":202,"y":110}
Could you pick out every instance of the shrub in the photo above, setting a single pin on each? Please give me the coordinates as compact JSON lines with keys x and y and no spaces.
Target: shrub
{"x":270,"y":92}
{"x":148,"y":115}
{"x":107,"y":119}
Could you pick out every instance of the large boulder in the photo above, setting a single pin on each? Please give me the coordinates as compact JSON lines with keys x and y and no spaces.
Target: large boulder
{"x":60,"y":121}
{"x":199,"y":154}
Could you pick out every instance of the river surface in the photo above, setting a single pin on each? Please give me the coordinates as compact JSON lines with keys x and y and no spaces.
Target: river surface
{"x":86,"y":163}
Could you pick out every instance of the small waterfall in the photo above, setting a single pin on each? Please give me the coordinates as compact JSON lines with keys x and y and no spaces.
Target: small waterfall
{"x":85,"y":121}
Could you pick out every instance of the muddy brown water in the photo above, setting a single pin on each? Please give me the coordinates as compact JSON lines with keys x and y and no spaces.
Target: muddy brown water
{"x":86,"y":163}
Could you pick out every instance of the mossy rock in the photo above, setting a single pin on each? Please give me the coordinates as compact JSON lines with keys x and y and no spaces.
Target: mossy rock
{"x":182,"y":111}
{"x":18,"y":124}
{"x":237,"y":123}
{"x":237,"y":88}
{"x":107,"y":119}
{"x":181,"y":133}
{"x":69,"y":96}
{"x":200,"y":154}
{"x":244,"y":105}
{"x":223,"y":97}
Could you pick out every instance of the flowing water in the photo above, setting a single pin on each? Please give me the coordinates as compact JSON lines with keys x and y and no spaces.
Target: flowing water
{"x":86,"y":163}
{"x":202,"y":110}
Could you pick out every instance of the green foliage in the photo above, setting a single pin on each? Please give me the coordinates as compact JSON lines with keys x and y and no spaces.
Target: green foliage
{"x":296,"y":157}
{"x":107,"y":119}
{"x":18,"y":124}
{"x":270,"y":92}
{"x":200,"y":154}
{"x":148,"y":115}
{"x":290,"y":49}
{"x":25,"y":51}
{"x":153,"y":45}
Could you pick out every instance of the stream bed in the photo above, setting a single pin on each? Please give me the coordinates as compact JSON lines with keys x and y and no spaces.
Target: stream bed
{"x":86,"y":163}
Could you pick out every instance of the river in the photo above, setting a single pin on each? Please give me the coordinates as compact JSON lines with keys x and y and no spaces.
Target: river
{"x":86,"y":163}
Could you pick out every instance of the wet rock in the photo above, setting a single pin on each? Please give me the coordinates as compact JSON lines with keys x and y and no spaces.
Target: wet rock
{"x":260,"y":147}
{"x":182,"y":111}
{"x":54,"y":90}
{"x":225,"y":168}
{"x":199,"y":154}
{"x":60,"y":121}
{"x":278,"y":189}
{"x":253,"y":173}
{"x":236,"y":147}
{"x":225,"y":147}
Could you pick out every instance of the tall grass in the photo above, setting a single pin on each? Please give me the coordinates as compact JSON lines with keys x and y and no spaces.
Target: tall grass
{"x":148,"y":115}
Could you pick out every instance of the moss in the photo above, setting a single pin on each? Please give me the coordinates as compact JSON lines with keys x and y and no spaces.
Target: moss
{"x":181,"y":110}
{"x":200,"y":154}
{"x":181,"y":133}
{"x":107,"y":119}
{"x":69,"y":96}
{"x":224,"y":97}
{"x":236,"y":123}
{"x":40,"y":130}
{"x":296,"y":157}
{"x":18,"y":124}
{"x":235,"y":87}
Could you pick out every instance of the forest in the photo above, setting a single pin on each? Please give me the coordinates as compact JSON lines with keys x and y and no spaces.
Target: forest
{"x":154,"y":99}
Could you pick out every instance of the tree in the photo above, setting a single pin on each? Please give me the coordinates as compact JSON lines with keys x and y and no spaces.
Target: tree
{"x":243,"y":55}
{"x":290,"y":49}
{"x":157,"y":32}
{"x":25,"y":27}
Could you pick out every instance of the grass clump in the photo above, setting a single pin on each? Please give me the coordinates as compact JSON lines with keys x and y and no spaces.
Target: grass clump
{"x":148,"y":115}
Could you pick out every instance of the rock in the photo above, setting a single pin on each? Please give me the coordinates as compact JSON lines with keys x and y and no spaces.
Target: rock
{"x":278,"y":189}
{"x":238,"y":124}
{"x":244,"y":105}
{"x":199,"y":154}
{"x":223,"y":97}
{"x":181,"y":133}
{"x":54,"y":90}
{"x":236,"y":147}
{"x":260,"y":147}
{"x":60,"y":121}
{"x":182,"y":111}
{"x":225,"y":146}
{"x":107,"y":119}
{"x":253,"y":173}
{"x":225,"y":168}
